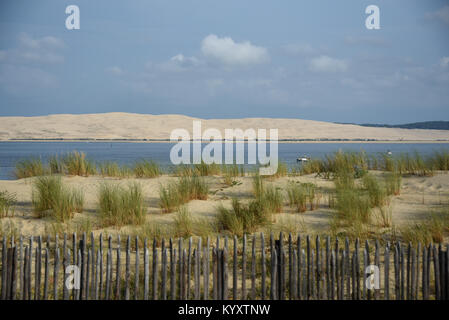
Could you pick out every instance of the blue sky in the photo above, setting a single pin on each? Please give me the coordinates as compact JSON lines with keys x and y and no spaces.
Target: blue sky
{"x":224,"y":59}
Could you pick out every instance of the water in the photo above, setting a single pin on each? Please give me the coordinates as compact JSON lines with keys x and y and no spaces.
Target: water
{"x":127,"y":153}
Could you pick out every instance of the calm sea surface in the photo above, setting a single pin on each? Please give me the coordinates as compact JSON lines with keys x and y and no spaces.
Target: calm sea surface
{"x":127,"y":153}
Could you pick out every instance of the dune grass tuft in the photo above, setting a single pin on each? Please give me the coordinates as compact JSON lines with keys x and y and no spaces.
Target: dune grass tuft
{"x":242,"y":218}
{"x":76,"y":164}
{"x":120,"y":206}
{"x":7,"y":202}
{"x":30,"y":168}
{"x":50,"y":196}
{"x":178,"y":193}
{"x":147,"y":169}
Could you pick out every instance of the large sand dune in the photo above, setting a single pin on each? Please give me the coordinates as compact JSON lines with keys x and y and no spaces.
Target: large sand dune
{"x":144,"y":126}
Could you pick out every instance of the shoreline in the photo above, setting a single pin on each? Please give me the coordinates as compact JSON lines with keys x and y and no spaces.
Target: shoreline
{"x":225,"y":141}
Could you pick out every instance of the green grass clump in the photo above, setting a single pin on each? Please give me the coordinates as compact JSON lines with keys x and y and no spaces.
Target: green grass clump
{"x":56,"y":167}
{"x":112,"y":169}
{"x":433,"y":230}
{"x":282,"y":170}
{"x":183,"y":223}
{"x":120,"y":206}
{"x":178,"y":193}
{"x":258,"y":185}
{"x":147,"y":169}
{"x":204,"y":169}
{"x":440,"y":160}
{"x":273,"y":199}
{"x":352,"y":205}
{"x":49,"y":194}
{"x":311,"y":166}
{"x":30,"y":168}
{"x":393,"y":183}
{"x":168,"y":197}
{"x":376,"y":192}
{"x":7,"y":202}
{"x":301,"y":194}
{"x":230,"y":172}
{"x":242,"y":218}
{"x":297,"y":196}
{"x":76,"y":164}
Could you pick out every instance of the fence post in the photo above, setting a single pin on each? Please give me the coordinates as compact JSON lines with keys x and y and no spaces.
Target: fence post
{"x":253,"y":268}
{"x":387,"y":272}
{"x":264,"y":271}
{"x":137,"y":270}
{"x":46,"y":271}
{"x":273,"y":285}
{"x":225,"y":273}
{"x":436,"y":268}
{"x":164,"y":274}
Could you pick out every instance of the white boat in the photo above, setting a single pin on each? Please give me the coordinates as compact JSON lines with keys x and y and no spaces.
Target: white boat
{"x":302,"y":159}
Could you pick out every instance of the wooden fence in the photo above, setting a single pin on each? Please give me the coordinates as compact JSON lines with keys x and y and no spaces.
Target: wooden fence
{"x":248,"y":268}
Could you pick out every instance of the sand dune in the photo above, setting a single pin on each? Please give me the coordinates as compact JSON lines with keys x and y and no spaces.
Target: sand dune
{"x":145,"y":126}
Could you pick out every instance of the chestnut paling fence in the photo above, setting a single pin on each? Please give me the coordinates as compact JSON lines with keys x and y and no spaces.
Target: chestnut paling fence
{"x":295,"y":268}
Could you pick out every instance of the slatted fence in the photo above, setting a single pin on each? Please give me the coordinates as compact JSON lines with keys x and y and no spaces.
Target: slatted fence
{"x":295,"y":268}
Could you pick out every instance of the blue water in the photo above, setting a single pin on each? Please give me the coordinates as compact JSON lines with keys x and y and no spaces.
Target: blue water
{"x":127,"y":153}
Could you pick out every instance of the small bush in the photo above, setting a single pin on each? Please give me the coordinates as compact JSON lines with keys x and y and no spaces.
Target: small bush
{"x":120,"y":206}
{"x":7,"y":202}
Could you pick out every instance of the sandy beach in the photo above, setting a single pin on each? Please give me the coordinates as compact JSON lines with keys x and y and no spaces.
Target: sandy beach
{"x":419,"y":197}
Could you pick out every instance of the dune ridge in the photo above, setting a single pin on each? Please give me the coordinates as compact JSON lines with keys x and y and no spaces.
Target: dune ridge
{"x":130,"y":126}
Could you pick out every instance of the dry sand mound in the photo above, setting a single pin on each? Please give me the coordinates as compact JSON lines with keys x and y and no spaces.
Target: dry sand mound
{"x":144,"y":126}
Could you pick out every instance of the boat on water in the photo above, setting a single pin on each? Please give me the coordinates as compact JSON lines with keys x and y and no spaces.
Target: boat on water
{"x":303,"y":159}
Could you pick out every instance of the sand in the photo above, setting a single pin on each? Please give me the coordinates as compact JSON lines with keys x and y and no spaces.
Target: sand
{"x":420,"y":196}
{"x":127,"y":126}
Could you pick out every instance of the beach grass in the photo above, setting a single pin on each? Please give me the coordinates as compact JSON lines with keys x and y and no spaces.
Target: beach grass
{"x":119,"y":206}
{"x":76,"y":164}
{"x":7,"y":203}
{"x":175,"y":194}
{"x":30,"y":168}
{"x":113,"y":169}
{"x":146,"y":169}
{"x":50,"y":196}
{"x":242,"y":218}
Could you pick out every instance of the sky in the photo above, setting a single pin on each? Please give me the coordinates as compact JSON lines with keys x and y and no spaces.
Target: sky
{"x":227,"y":59}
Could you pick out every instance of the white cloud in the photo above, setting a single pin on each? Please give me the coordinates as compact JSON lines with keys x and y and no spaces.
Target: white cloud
{"x":365,"y":40}
{"x":327,"y":64}
{"x":444,"y":62}
{"x":229,"y":52}
{"x":43,"y":50}
{"x":441,"y":14}
{"x":185,"y":62}
{"x":39,"y":43}
{"x":115,"y":70}
{"x":299,"y":49}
